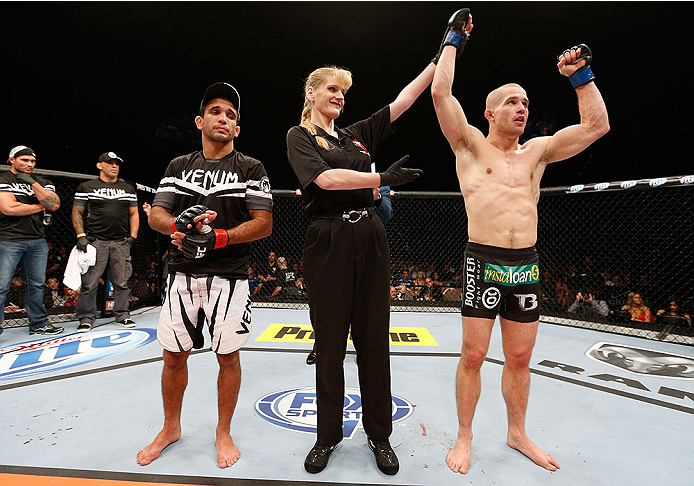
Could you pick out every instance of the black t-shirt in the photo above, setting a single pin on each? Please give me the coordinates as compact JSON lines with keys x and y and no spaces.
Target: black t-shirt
{"x":107,"y":215}
{"x":353,"y":149}
{"x":231,"y":186}
{"x":16,"y":228}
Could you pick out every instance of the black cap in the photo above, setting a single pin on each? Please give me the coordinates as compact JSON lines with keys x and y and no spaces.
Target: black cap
{"x":109,"y":156}
{"x":21,"y":150}
{"x":224,"y":91}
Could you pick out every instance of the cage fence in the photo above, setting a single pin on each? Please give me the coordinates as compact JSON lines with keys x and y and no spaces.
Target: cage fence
{"x":598,"y":244}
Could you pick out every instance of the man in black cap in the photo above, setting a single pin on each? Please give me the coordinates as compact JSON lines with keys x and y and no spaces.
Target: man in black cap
{"x":24,"y":197}
{"x":111,"y":226}
{"x":212,"y":203}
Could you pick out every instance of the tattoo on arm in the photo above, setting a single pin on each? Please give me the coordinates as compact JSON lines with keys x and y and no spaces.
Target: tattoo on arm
{"x":77,"y":221}
{"x":51,"y":201}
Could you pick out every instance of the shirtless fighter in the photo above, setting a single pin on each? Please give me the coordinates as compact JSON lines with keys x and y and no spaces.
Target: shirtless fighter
{"x":500,"y":181}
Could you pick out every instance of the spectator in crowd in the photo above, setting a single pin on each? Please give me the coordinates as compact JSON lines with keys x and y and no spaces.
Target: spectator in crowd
{"x":57,"y":260}
{"x":24,"y":197}
{"x":420,"y":284}
{"x":590,"y":304}
{"x":674,"y":309}
{"x":637,"y":309}
{"x":54,"y":296}
{"x":288,"y":278}
{"x":562,"y":292}
{"x":15,"y":297}
{"x":401,"y":292}
{"x":436,"y":278}
{"x":254,"y":283}
{"x":281,"y":274}
{"x":268,"y":275}
{"x":431,"y":291}
{"x":110,"y":225}
{"x":405,"y":280}
{"x":452,"y":294}
{"x":71,"y":296}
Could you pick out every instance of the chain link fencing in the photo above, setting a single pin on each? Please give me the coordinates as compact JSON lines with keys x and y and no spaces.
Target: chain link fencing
{"x":598,"y":244}
{"x":145,"y":282}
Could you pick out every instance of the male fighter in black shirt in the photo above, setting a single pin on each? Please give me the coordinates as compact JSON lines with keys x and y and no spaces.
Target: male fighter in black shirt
{"x":111,"y":226}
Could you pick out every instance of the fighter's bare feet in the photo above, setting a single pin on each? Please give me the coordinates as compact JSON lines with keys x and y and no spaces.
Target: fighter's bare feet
{"x":458,"y":458}
{"x":161,"y":442}
{"x":227,"y":452}
{"x":526,"y":447}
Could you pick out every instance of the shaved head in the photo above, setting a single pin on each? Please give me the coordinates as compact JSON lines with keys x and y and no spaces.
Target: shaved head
{"x":498,"y":95}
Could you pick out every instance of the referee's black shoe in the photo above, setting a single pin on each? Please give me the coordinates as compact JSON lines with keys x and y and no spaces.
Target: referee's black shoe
{"x":317,"y":457}
{"x":311,"y":358}
{"x":386,"y":460}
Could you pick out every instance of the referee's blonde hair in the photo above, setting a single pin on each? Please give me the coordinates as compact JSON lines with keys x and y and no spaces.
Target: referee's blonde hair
{"x":315,"y":80}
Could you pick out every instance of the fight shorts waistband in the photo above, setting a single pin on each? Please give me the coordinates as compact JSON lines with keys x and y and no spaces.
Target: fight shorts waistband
{"x":498,"y":253}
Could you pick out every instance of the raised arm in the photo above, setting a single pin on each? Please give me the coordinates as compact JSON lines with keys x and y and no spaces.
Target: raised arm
{"x":448,"y":110}
{"x":572,"y":140}
{"x":411,"y":92}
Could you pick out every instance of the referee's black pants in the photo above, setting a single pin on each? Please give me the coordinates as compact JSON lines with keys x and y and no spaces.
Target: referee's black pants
{"x":347,"y":271}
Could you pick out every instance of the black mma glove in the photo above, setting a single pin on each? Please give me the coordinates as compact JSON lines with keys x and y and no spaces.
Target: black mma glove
{"x":397,"y":175}
{"x":130,"y":241}
{"x":197,"y":245}
{"x":583,"y":75}
{"x":186,"y":218}
{"x":26,"y":178}
{"x":455,"y":33}
{"x":82,"y":243}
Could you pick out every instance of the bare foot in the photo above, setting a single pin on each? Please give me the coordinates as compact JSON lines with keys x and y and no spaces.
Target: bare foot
{"x":161,"y":442}
{"x":458,"y":458}
{"x":525,"y":446}
{"x":227,"y":452}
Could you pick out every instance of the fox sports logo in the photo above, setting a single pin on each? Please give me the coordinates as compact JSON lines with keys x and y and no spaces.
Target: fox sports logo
{"x":295,"y":409}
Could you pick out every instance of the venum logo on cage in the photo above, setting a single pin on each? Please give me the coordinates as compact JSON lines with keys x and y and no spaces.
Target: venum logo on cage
{"x":628,"y":184}
{"x":687,"y":179}
{"x":295,"y":409}
{"x":602,"y":186}
{"x":491,"y":297}
{"x":657,"y":182}
{"x":576,"y":188}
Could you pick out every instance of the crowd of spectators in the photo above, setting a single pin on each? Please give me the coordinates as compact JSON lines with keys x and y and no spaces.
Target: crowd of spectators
{"x":579,"y":291}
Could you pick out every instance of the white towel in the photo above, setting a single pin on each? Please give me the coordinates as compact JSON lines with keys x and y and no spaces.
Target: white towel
{"x":77,"y":264}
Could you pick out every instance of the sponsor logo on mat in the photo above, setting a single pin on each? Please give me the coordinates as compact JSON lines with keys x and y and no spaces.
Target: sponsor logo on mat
{"x":642,"y":361}
{"x":295,"y":409}
{"x":45,"y":355}
{"x":303,"y":333}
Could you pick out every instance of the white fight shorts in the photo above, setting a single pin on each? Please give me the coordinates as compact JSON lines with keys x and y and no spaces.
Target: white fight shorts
{"x":192,"y":300}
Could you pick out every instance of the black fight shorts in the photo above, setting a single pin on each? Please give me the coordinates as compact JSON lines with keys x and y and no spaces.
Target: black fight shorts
{"x":501,"y":280}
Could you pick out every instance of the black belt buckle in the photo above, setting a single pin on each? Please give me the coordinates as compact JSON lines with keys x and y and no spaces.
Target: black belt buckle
{"x":354,"y":215}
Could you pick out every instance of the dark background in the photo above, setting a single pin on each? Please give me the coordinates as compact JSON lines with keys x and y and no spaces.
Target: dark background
{"x":83,"y":78}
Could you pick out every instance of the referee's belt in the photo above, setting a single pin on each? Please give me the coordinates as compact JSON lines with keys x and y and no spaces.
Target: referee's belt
{"x":351,"y":215}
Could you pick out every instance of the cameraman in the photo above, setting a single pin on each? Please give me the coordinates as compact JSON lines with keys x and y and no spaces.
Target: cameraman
{"x":590,"y":304}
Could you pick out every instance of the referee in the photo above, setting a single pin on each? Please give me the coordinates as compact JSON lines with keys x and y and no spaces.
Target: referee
{"x":346,"y":239}
{"x":110,"y":225}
